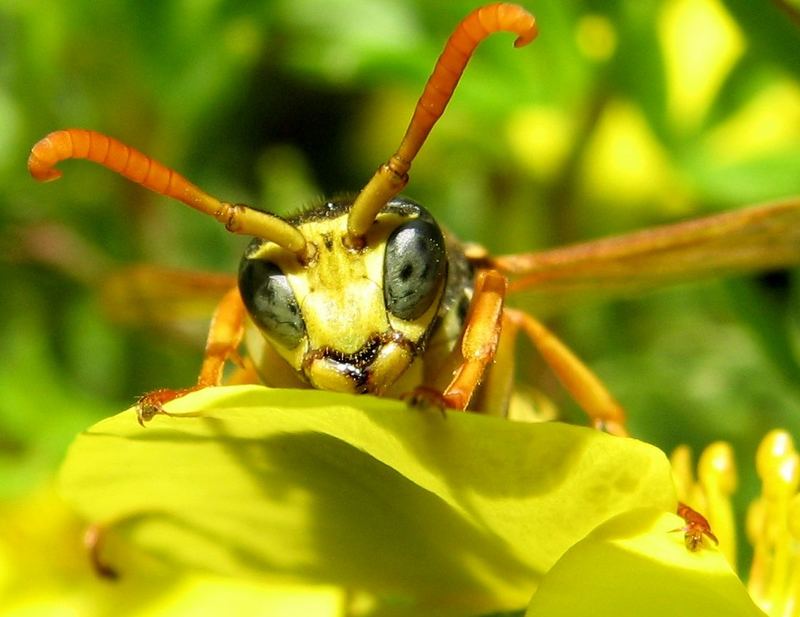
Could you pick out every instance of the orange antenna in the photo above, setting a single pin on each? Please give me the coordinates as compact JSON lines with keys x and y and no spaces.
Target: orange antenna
{"x":129,"y":162}
{"x":391,"y":177}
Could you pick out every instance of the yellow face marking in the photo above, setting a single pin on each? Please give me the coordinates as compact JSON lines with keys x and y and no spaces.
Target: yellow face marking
{"x":341,"y":298}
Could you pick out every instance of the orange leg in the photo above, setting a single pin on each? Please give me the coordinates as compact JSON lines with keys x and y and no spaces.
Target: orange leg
{"x":582,"y":384}
{"x":476,"y":348}
{"x":479,"y":340}
{"x":494,"y":397}
{"x":224,"y":336}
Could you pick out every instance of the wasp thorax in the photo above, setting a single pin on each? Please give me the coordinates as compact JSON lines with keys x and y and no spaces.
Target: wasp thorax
{"x":350,"y":320}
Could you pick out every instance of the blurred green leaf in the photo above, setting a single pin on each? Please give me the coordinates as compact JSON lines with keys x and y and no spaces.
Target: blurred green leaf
{"x":772,"y":32}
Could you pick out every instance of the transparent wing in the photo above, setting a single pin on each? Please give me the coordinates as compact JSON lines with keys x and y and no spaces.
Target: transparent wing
{"x":758,"y":238}
{"x":179,"y":302}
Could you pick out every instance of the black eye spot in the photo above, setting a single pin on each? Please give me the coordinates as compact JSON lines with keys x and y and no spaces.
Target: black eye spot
{"x":413,"y":268}
{"x":270,"y":301}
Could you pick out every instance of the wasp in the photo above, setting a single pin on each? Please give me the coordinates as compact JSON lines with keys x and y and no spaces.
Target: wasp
{"x":371,"y":295}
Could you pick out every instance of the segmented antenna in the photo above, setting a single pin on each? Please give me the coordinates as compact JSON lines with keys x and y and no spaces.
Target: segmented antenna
{"x":140,"y":168}
{"x":391,"y":177}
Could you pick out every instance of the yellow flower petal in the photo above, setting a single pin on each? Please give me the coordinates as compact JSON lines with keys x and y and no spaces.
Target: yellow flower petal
{"x":635,"y":564}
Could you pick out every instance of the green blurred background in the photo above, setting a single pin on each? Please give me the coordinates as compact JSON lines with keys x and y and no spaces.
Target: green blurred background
{"x":620,"y":116}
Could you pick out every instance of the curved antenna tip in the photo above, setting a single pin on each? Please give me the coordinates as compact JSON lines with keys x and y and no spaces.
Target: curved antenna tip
{"x":40,"y":171}
{"x":527,"y":37}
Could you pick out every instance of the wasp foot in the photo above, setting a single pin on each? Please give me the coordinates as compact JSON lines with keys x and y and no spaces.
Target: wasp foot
{"x":424,"y":397}
{"x":152,"y":404}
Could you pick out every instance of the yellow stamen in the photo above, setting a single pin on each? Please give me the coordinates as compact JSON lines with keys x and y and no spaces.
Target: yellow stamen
{"x":774,"y":571}
{"x":773,"y":519}
{"x":716,"y":472}
{"x":683,"y":474}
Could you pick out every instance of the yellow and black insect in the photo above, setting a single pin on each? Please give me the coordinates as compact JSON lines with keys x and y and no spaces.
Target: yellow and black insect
{"x":373,"y":296}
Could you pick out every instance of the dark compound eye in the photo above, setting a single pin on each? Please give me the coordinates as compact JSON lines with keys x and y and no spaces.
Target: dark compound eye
{"x":270,"y":301}
{"x":413,"y":268}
